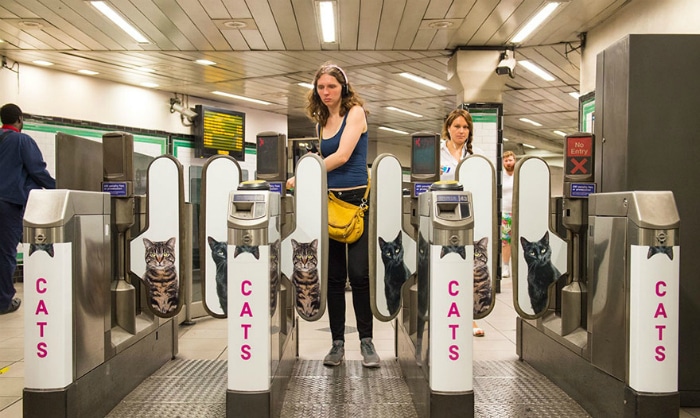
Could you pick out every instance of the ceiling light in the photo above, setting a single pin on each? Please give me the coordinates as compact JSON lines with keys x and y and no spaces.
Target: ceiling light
{"x":384,"y":128}
{"x":529,"y":146}
{"x":148,"y":84}
{"x":534,"y":23}
{"x":526,"y":120}
{"x":560,"y":133}
{"x":119,"y":21}
{"x":88,"y":72}
{"x":326,"y":13}
{"x":405,"y":112}
{"x":423,"y":81}
{"x":575,"y":94}
{"x":234,"y":96}
{"x":506,"y":139}
{"x":42,"y":63}
{"x":205,"y":62}
{"x":307,"y":85}
{"x":537,"y":70}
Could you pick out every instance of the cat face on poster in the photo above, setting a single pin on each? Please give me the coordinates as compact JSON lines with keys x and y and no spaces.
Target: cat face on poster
{"x":541,"y":272}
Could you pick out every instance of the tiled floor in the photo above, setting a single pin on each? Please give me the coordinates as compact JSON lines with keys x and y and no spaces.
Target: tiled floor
{"x":206,"y":339}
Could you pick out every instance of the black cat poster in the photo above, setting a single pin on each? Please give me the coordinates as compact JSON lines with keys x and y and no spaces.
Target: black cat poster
{"x":539,"y":256}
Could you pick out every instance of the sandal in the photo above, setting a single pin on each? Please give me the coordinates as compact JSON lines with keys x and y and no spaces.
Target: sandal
{"x":478,"y":332}
{"x":14,"y":305}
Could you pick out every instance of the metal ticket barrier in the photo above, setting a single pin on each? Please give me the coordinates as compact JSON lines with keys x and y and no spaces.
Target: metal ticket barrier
{"x":67,"y":271}
{"x":253,"y":277}
{"x":437,"y":355}
{"x":634,"y":264}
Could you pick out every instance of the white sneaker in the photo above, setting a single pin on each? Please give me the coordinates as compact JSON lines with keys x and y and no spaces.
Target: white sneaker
{"x":506,"y":270}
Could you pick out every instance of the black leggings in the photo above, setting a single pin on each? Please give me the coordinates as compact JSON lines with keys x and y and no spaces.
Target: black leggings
{"x":349,"y":261}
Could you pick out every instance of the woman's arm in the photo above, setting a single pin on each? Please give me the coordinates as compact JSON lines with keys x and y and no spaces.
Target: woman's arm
{"x":355,"y":125}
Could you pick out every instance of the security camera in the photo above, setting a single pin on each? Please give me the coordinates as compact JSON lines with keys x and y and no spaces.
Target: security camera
{"x":176,"y":106}
{"x":507,"y":65}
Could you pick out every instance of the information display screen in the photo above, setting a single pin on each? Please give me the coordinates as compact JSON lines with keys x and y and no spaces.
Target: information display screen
{"x":425,"y":157}
{"x":219,"y":131}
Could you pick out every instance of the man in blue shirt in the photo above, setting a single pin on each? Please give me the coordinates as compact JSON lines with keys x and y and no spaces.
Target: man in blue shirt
{"x":22,"y":168}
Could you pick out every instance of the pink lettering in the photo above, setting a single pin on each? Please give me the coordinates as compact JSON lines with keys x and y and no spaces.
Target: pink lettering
{"x":41,"y":308}
{"x":454,"y":310}
{"x":245,"y":352}
{"x":660,"y":311}
{"x":244,"y":291}
{"x":454,"y":327}
{"x":661,"y":329}
{"x":659,"y":285}
{"x":39,"y":288}
{"x":41,"y":350}
{"x":246,"y":310}
{"x":660,"y":353}
{"x":453,"y":288}
{"x":454,"y":352}
{"x":246,"y":327}
{"x":41,"y":328}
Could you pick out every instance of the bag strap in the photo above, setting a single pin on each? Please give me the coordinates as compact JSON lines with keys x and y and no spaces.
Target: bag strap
{"x":363,"y":204}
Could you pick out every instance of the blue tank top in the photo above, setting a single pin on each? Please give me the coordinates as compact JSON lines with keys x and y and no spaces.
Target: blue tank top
{"x":354,"y":171}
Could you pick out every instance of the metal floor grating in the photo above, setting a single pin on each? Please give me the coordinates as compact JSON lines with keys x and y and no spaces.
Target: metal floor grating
{"x":197,"y":388}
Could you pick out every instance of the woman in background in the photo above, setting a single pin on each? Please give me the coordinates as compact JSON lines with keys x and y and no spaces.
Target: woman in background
{"x":458,"y":134}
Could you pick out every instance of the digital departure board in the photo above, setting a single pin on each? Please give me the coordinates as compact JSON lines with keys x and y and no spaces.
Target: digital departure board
{"x":219,"y":131}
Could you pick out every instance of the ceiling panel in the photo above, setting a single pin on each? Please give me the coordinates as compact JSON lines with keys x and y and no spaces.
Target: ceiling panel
{"x":279,"y":46}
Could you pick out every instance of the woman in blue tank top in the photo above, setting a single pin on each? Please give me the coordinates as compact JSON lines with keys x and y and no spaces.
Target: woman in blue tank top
{"x":342,"y":126}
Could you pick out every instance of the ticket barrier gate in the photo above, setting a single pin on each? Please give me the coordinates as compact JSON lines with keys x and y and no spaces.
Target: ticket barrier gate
{"x":71,"y":367}
{"x":259,"y":365}
{"x":435,"y":340}
{"x":627,"y":362}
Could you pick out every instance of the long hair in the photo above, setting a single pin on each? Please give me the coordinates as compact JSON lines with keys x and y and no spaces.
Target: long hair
{"x":451,"y":118}
{"x":316,"y":110}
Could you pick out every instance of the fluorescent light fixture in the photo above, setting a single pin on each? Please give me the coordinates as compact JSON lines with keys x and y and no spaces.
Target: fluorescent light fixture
{"x":529,"y":146}
{"x":42,"y":63}
{"x":149,"y":84}
{"x":422,"y":81}
{"x":119,"y":21}
{"x":405,"y":112}
{"x":205,"y":62}
{"x":534,"y":23}
{"x":506,"y":139}
{"x":537,"y":70}
{"x":396,"y":131}
{"x":88,"y":72}
{"x":530,"y":121}
{"x":234,"y":96}
{"x":560,"y":133}
{"x":575,"y":94}
{"x":307,"y":85}
{"x":327,"y":17}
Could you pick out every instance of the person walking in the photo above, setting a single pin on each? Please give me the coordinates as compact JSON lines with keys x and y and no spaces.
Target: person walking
{"x":506,"y":210}
{"x":22,"y":168}
{"x":341,"y":125}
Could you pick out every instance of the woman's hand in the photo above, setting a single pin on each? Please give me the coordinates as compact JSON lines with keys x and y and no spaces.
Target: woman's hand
{"x":291,"y":182}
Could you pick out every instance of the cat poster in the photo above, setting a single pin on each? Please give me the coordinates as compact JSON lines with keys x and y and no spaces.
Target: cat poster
{"x":155,"y":253}
{"x":221,"y":174}
{"x":539,"y":256}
